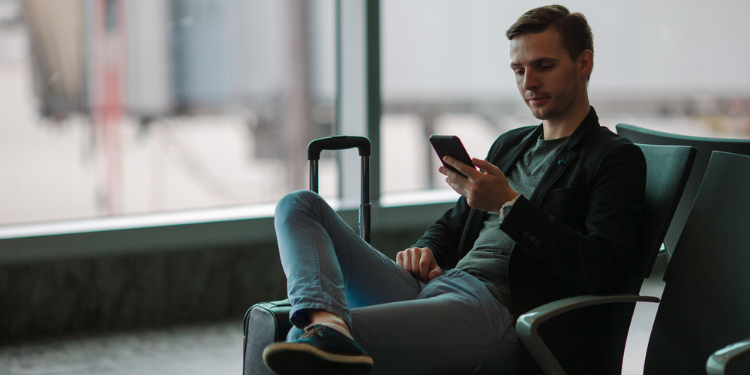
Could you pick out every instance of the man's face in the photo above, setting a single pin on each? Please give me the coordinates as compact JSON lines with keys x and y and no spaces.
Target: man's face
{"x":548,"y":80}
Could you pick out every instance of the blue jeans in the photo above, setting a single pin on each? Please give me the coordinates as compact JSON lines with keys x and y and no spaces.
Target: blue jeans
{"x":451,"y":325}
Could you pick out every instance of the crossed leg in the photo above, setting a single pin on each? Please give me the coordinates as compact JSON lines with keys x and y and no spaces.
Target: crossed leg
{"x":451,"y":325}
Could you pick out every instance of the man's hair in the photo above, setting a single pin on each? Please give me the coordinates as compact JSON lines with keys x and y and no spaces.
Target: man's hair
{"x":575,"y":32}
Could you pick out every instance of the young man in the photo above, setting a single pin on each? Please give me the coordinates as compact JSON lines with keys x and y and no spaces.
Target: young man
{"x":554,"y":211}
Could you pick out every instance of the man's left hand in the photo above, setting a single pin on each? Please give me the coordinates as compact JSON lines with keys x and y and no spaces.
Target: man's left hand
{"x":486,"y":189}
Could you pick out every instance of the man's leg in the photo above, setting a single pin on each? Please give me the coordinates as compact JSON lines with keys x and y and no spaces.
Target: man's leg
{"x":329,"y":269}
{"x":455,"y":326}
{"x":328,"y":266}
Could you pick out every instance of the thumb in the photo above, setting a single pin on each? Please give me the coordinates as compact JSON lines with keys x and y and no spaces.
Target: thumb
{"x":435,"y":273}
{"x":486,"y":166}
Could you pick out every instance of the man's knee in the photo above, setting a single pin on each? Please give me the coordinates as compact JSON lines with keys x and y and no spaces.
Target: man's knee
{"x":294,"y":201}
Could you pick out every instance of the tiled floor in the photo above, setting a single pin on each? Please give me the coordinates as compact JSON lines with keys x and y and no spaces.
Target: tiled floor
{"x":211,"y":349}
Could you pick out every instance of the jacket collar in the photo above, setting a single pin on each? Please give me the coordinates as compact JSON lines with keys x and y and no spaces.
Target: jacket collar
{"x":564,"y":158}
{"x":591,"y":121}
{"x":509,"y":160}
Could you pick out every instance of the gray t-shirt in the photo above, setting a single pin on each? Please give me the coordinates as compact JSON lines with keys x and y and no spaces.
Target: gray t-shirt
{"x":488,"y":258}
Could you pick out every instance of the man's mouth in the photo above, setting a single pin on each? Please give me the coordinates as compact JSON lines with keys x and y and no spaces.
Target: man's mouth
{"x":537,"y":100}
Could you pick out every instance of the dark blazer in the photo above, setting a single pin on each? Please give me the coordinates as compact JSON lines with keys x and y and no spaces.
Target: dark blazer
{"x":579,"y":231}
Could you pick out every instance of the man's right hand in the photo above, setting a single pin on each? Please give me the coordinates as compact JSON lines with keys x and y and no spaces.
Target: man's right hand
{"x":420,"y":262}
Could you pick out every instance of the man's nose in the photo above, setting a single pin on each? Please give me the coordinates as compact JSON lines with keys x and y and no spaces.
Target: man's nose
{"x":530,"y":81}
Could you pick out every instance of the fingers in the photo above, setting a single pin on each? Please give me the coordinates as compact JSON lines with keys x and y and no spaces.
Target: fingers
{"x":461,"y":167}
{"x":486,"y":166}
{"x":425,"y":261}
{"x":415,"y":263}
{"x":456,"y":181}
{"x":404,"y":259}
{"x":419,"y":262}
{"x":435,"y":273}
{"x":400,"y":259}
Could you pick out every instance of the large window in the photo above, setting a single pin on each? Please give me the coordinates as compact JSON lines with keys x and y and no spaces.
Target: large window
{"x":114,"y":107}
{"x":658,"y":64}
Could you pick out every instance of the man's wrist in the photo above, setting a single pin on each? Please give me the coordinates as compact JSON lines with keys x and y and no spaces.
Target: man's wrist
{"x":505,"y":208}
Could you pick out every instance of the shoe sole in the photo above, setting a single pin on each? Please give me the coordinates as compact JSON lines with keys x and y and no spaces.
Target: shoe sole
{"x":293,"y":358}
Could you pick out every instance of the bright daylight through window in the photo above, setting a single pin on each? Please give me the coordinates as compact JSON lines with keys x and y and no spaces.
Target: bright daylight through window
{"x":119,"y":107}
{"x":445,"y":70}
{"x":113,"y":107}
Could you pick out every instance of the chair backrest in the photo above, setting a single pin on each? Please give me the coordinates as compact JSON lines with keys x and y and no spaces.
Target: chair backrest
{"x":668,"y":168}
{"x":668,"y":171}
{"x":706,"y":301}
{"x":705,"y":146}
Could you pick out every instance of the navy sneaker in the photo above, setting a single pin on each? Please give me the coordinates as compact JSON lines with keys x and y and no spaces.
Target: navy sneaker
{"x":320,"y":350}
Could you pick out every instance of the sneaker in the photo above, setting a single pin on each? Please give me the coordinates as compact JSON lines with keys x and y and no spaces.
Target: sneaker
{"x":320,"y":350}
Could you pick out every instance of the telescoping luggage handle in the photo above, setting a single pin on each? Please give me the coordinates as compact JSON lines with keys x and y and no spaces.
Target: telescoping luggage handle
{"x":343,"y":142}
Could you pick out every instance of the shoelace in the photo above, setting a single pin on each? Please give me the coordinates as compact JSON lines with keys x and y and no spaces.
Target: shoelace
{"x":311,"y":330}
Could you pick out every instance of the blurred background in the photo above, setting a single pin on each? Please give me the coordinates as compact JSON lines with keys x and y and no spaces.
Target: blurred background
{"x":143,"y":144}
{"x":116,"y":107}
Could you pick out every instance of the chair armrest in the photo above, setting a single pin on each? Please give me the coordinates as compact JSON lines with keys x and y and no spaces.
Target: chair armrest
{"x":720,"y":362}
{"x":527,"y":324}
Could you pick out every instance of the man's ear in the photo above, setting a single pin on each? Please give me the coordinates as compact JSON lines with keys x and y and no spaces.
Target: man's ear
{"x":586,"y":63}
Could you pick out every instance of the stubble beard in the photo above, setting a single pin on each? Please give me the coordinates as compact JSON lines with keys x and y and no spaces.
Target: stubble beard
{"x":552,"y":109}
{"x":555,"y":110}
{"x":556,"y":106}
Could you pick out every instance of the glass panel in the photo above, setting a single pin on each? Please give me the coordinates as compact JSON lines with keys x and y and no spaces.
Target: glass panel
{"x":114,"y":107}
{"x":446,"y":71}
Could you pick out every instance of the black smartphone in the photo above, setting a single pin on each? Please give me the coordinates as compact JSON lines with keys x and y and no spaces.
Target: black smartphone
{"x":450,"y":145}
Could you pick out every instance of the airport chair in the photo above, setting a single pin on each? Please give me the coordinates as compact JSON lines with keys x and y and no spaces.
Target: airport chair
{"x":706,"y":302}
{"x":668,"y":170}
{"x":705,"y":146}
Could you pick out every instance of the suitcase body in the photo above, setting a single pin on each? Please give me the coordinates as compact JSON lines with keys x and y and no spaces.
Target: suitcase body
{"x":268,"y":322}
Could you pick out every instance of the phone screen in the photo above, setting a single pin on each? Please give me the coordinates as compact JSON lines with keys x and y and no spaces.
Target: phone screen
{"x":450,"y":145}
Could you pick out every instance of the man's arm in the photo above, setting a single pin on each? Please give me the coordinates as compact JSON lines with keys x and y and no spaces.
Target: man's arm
{"x":595,"y":260}
{"x":444,"y":236}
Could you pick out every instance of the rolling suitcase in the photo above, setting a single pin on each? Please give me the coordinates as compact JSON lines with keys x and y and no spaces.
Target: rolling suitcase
{"x":268,"y":322}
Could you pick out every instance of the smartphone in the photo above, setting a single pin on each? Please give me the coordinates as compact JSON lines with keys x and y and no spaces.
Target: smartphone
{"x":450,"y":145}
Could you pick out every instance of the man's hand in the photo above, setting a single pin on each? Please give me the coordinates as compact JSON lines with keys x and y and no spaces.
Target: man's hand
{"x":420,"y":262}
{"x":485,"y":190}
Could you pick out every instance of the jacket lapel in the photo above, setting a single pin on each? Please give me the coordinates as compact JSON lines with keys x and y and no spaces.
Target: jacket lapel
{"x":564,"y":158}
{"x":509,"y":160}
{"x":558,"y":167}
{"x":505,"y":162}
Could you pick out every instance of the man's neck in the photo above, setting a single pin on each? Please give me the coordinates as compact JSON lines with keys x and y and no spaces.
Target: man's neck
{"x":566,"y":125}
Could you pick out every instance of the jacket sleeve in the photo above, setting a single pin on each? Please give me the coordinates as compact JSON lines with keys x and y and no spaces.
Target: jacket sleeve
{"x":597,"y":258}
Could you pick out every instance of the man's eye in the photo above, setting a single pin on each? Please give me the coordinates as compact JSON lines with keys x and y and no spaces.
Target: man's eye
{"x":519,"y":72}
{"x":545,"y":67}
